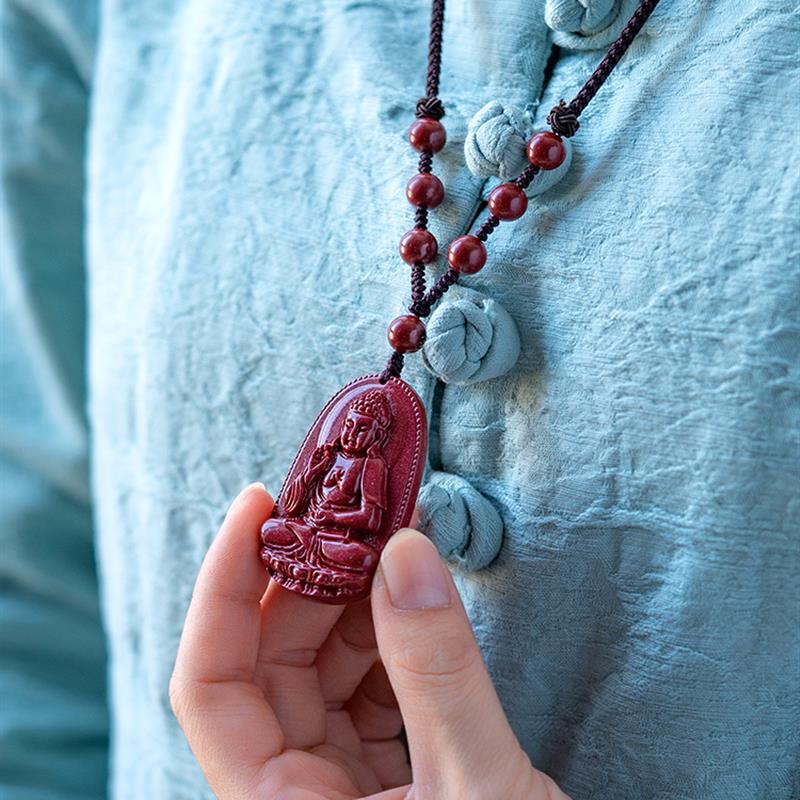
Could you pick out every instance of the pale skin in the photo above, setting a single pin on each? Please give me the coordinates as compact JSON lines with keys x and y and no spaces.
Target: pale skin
{"x":285,"y":698}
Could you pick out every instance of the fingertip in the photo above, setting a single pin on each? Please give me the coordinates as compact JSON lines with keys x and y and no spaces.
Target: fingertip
{"x":237,"y":538}
{"x":412,"y":544}
{"x":254,"y":493}
{"x":407,"y":537}
{"x":413,"y":573}
{"x":254,"y":488}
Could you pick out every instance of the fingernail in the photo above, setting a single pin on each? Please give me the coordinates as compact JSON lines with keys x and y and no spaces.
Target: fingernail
{"x":246,"y":491}
{"x":414,"y":574}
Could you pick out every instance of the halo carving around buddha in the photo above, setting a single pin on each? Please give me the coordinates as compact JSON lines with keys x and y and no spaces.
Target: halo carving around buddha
{"x":352,"y":484}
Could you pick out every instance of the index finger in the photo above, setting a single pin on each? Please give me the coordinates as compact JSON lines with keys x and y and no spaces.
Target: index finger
{"x":230,"y":726}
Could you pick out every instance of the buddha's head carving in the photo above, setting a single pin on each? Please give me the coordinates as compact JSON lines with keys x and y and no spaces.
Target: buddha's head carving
{"x":366,"y":426}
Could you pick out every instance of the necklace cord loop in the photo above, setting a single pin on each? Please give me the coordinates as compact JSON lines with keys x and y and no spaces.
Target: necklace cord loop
{"x":562,"y":119}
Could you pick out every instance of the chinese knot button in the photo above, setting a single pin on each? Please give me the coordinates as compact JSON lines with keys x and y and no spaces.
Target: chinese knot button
{"x":470,"y":339}
{"x":463,"y":524}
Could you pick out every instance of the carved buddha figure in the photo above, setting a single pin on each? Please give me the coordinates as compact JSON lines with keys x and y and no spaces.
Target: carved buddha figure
{"x":340,"y":496}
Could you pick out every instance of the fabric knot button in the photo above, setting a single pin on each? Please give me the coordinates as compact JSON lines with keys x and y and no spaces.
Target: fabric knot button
{"x":496,"y":139}
{"x":463,"y":524}
{"x":470,"y":339}
{"x":580,"y":16}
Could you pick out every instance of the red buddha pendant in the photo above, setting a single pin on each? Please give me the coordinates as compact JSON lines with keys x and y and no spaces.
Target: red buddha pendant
{"x":352,"y":484}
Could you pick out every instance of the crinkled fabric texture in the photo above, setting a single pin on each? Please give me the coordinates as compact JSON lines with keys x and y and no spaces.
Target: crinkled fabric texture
{"x":246,"y":165}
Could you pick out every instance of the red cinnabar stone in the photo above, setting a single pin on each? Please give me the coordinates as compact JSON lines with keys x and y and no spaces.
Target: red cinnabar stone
{"x":418,"y":245}
{"x":467,"y":255}
{"x":508,"y":201}
{"x":425,"y":190}
{"x":546,"y":150}
{"x":406,"y":334}
{"x":352,"y":484}
{"x":427,"y":134}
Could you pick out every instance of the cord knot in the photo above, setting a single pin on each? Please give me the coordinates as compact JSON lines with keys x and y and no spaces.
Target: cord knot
{"x":430,"y":107}
{"x":420,"y":308}
{"x":563,"y":119}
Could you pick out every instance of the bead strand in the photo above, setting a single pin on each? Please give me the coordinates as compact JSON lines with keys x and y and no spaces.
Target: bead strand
{"x":507,"y":202}
{"x":424,"y":191}
{"x":418,"y":246}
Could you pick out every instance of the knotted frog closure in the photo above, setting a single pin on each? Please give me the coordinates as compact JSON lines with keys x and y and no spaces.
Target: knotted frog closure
{"x":470,"y":339}
{"x":593,"y":24}
{"x":580,"y":16}
{"x":463,"y":524}
{"x":495,"y":146}
{"x":496,"y":139}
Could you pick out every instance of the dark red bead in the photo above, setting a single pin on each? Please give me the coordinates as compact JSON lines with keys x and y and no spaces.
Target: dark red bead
{"x":546,"y":150}
{"x":427,"y":134}
{"x":406,"y":334}
{"x":467,"y":254}
{"x":418,"y":245}
{"x":508,"y":201}
{"x":425,"y":190}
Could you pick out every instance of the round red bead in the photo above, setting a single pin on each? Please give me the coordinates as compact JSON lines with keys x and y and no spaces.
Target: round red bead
{"x":406,"y":334}
{"x":418,"y":245}
{"x":427,"y":134}
{"x":546,"y":150}
{"x":425,"y":190}
{"x":508,"y":201}
{"x":467,"y":254}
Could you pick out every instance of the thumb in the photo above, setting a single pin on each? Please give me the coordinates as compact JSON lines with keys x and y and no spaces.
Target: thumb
{"x":460,"y":741}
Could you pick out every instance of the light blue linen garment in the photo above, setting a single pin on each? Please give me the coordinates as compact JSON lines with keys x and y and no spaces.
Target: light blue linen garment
{"x":620,"y":504}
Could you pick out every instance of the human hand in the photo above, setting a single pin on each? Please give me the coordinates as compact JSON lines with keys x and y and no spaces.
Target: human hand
{"x":284,"y":698}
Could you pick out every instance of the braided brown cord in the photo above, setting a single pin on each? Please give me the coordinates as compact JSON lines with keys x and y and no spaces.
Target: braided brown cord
{"x":425,"y":162}
{"x":525,"y":178}
{"x":489,"y":224}
{"x":417,"y":282}
{"x":563,"y":118}
{"x":394,"y":366}
{"x":439,"y":288}
{"x":434,"y":60}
